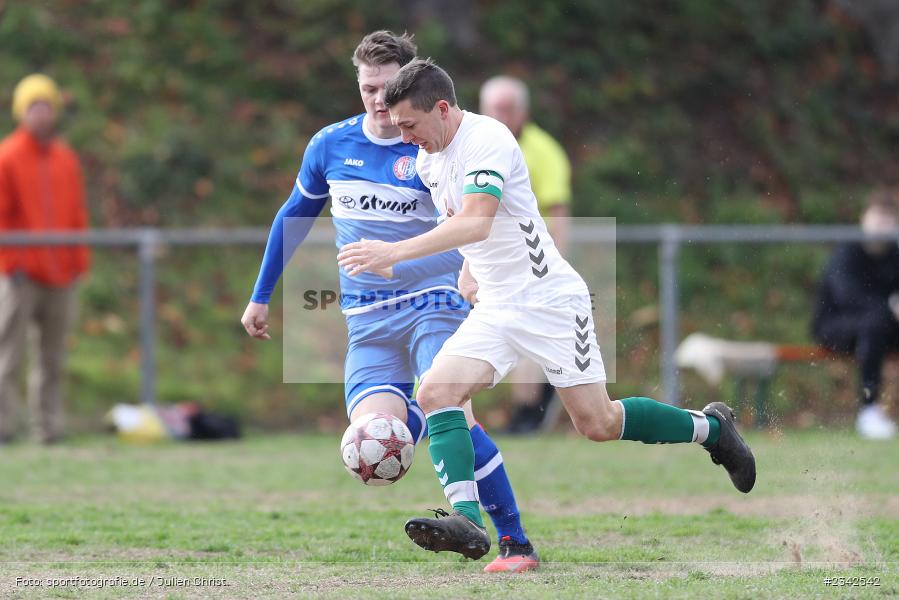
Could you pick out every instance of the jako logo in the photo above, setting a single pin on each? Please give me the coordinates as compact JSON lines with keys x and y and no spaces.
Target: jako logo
{"x":354,"y":162}
{"x":404,"y":168}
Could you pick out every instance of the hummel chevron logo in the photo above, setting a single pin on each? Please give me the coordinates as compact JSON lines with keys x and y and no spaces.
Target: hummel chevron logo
{"x":582,"y":337}
{"x":438,"y":468}
{"x":538,"y":258}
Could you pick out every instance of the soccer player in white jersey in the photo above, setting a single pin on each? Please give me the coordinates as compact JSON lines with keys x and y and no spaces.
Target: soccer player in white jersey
{"x":398,"y":318}
{"x":531,"y":303}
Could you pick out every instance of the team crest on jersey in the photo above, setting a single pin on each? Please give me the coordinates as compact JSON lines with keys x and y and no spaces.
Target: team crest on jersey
{"x":404,"y":168}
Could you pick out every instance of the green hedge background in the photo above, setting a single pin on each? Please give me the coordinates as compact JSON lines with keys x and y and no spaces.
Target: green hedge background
{"x":196,"y":113}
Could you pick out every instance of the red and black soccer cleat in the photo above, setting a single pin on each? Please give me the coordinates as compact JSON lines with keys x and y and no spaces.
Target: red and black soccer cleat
{"x":513,"y":558}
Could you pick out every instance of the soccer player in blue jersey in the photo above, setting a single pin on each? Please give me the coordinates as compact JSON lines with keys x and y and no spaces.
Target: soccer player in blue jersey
{"x":368,"y":173}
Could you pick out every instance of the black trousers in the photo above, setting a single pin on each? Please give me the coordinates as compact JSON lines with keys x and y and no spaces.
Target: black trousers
{"x":870,"y":336}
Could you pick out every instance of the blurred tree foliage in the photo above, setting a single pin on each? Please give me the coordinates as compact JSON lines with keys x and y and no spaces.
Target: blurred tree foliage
{"x":196,"y":113}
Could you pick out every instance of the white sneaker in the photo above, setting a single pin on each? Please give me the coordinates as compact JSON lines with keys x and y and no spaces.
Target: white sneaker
{"x":874,"y":424}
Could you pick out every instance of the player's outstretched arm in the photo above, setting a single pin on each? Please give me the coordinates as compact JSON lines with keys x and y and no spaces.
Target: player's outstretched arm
{"x":470,"y":225}
{"x":428,"y":266}
{"x":255,"y":320}
{"x":284,"y":238}
{"x":307,"y":198}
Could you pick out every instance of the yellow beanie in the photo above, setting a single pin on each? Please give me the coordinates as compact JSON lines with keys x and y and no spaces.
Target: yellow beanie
{"x":30,"y":90}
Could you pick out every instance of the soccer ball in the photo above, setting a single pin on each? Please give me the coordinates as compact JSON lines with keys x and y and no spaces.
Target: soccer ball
{"x":377,"y":449}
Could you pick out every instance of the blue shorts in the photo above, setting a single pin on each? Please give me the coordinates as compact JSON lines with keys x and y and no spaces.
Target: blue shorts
{"x":389,"y":347}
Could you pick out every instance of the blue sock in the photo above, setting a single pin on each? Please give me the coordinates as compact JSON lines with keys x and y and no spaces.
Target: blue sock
{"x":494,"y":487}
{"x":416,"y":422}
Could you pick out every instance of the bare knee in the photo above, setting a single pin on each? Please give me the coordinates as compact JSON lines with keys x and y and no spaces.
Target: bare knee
{"x":434,"y":396}
{"x":593,"y":413}
{"x":381,"y":402}
{"x":597,"y":430}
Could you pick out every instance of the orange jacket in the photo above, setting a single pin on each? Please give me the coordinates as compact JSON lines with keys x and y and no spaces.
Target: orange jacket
{"x":41,"y":189}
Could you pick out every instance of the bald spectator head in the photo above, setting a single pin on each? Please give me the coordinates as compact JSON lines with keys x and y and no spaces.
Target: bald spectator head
{"x":881,"y":217}
{"x":506,"y":100}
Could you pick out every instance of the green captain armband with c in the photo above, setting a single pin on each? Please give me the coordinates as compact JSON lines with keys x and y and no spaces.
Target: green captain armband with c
{"x":484,"y":182}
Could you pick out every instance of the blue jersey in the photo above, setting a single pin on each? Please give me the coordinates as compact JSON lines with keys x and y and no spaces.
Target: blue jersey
{"x":374,"y":193}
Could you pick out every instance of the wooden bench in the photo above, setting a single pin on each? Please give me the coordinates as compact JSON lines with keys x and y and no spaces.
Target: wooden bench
{"x":785,"y":353}
{"x":748,"y":364}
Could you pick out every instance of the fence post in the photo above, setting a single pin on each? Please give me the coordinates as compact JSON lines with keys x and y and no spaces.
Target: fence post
{"x":146,"y":252}
{"x":669,"y":250}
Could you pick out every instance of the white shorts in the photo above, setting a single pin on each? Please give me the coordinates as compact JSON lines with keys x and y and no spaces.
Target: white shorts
{"x":558,"y":337}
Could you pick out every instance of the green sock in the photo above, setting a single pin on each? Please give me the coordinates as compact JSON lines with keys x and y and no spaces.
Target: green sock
{"x":453,"y":456}
{"x":652,"y":422}
{"x":714,"y":431}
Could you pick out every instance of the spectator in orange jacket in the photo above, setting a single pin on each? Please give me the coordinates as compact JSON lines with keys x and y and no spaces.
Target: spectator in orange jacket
{"x":41,"y":189}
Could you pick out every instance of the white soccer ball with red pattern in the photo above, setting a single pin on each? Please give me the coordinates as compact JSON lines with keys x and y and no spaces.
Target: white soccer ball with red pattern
{"x":377,"y":449}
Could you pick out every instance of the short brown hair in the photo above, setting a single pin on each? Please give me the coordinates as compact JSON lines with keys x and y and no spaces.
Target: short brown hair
{"x":384,"y":47}
{"x":423,"y":83}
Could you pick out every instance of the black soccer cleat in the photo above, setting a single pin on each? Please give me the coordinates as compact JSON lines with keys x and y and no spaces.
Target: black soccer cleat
{"x":730,"y":451}
{"x":452,"y":532}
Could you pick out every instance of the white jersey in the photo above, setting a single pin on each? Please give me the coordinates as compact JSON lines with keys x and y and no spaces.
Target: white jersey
{"x":518,"y":263}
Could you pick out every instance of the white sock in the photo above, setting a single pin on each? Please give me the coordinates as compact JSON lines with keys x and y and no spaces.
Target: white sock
{"x":700,"y":426}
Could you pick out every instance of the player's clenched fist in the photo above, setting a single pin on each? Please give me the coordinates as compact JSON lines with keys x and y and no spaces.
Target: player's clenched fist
{"x":255,"y":320}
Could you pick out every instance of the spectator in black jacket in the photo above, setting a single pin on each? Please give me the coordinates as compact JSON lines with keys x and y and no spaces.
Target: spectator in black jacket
{"x":857,"y":310}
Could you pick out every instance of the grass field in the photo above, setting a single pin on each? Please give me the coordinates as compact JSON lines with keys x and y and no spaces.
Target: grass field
{"x":278,"y":517}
